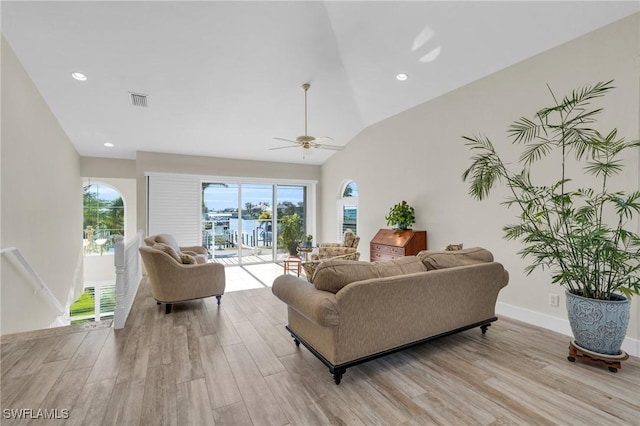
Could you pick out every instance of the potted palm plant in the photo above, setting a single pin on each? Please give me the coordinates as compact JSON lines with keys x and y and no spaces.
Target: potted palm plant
{"x":581,"y":234}
{"x":291,"y":233}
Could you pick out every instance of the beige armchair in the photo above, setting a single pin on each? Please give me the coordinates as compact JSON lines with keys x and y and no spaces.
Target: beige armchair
{"x":173,"y":281}
{"x":346,"y":250}
{"x":311,"y":266}
{"x":349,"y":245}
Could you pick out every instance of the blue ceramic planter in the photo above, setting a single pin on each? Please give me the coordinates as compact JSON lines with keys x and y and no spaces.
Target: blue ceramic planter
{"x":598,"y":325}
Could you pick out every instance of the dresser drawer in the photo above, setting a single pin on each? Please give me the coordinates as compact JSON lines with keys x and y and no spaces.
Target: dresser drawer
{"x":378,"y":256}
{"x":381,"y":248}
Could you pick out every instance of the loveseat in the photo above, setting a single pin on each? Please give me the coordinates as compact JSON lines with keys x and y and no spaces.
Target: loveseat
{"x":357,"y":311}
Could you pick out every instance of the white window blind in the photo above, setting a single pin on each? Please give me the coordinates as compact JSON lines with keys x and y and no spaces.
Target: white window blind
{"x":174,"y":207}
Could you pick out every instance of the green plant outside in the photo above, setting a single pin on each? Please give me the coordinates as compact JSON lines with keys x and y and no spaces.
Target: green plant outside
{"x":581,"y":235}
{"x":85,"y":304}
{"x":401,"y":216}
{"x":290,"y":232}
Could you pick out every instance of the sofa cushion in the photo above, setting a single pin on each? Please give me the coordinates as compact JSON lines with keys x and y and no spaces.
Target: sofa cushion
{"x":449,"y":259}
{"x":400,"y":266}
{"x":169,"y":250}
{"x":332,"y":275}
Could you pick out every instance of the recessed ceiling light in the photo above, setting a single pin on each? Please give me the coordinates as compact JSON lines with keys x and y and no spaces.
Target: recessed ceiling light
{"x":108,"y":144}
{"x":79,"y":76}
{"x":402,"y":77}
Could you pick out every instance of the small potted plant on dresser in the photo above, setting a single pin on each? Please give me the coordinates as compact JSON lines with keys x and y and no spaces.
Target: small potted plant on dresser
{"x":581,"y":234}
{"x":401,"y":240}
{"x":401,"y":216}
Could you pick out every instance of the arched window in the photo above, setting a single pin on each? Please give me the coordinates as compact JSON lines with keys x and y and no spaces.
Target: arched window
{"x":348,"y":208}
{"x":103,"y":218}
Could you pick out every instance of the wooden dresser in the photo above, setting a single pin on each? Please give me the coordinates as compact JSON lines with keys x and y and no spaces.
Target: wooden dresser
{"x":389,"y":244}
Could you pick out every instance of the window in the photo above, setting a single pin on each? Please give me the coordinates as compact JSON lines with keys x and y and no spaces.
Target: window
{"x":103,"y":218}
{"x":348,"y":209}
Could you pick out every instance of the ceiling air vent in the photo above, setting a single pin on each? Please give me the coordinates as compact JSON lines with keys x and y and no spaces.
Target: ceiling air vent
{"x":138,"y":99}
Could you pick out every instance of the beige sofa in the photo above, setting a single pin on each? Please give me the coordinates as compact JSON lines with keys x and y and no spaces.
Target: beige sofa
{"x":357,"y":311}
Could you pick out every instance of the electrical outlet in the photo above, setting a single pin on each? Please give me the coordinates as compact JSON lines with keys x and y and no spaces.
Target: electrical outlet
{"x":554,"y":300}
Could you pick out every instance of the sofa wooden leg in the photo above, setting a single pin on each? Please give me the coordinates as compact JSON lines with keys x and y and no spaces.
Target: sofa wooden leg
{"x":484,"y":328}
{"x":219,"y":297}
{"x":337,"y":375}
{"x":295,"y":340}
{"x":168,"y":308}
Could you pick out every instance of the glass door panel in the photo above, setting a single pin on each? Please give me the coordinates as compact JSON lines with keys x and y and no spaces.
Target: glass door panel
{"x":291,"y":216}
{"x":220,"y":220}
{"x":256,"y":217}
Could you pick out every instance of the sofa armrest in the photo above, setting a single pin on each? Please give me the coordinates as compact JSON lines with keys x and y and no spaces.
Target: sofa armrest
{"x":317,"y":305}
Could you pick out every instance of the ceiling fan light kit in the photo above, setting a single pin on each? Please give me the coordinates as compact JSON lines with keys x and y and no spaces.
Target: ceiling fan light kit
{"x":307,"y":142}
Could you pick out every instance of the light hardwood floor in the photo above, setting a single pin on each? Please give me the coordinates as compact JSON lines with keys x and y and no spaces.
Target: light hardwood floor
{"x":236,"y":365}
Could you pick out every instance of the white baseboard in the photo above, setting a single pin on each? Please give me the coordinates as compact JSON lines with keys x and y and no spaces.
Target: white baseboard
{"x":559,"y":325}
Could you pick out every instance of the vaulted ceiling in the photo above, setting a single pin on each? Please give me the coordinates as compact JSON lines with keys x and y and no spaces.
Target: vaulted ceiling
{"x":223,"y":78}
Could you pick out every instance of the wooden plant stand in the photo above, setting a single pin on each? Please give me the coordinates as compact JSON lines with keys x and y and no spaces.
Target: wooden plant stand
{"x":610,"y":361}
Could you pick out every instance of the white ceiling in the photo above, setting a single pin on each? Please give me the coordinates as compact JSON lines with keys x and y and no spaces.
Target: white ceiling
{"x":223,"y":78}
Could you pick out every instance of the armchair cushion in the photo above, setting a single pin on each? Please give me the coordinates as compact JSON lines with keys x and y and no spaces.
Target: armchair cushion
{"x":200,"y":253}
{"x":169,"y":250}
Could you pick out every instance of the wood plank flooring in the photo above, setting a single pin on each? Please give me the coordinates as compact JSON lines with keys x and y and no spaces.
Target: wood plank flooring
{"x":236,"y":365}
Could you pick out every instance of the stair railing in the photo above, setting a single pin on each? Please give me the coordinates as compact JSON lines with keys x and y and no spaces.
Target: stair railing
{"x":39,"y":286}
{"x":128,"y":275}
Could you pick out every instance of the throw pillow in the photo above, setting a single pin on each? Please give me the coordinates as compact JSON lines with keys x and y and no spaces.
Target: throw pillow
{"x":349,"y":238}
{"x":453,"y":247}
{"x":186,"y":259}
{"x":169,"y":250}
{"x":449,"y":259}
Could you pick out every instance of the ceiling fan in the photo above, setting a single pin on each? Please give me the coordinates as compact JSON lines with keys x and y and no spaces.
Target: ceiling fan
{"x":307,"y":142}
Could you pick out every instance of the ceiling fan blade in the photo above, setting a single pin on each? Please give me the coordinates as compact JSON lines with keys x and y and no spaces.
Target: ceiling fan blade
{"x":324,"y":138}
{"x":332,"y":147}
{"x":283,"y":147}
{"x":287,"y":140}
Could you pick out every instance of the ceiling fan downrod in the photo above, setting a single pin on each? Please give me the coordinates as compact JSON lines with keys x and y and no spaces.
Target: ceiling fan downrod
{"x":305,"y":87}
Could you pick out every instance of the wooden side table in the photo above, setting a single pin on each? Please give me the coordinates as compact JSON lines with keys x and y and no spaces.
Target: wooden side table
{"x":292,"y":262}
{"x":307,"y":251}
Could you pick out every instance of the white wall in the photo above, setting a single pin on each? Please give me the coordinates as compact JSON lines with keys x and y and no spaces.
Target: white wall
{"x":419,"y":156}
{"x":41,"y":200}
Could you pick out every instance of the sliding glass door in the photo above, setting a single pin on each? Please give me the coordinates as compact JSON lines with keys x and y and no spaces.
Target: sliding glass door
{"x":292,"y":218}
{"x":238,"y":220}
{"x":220,"y":218}
{"x":256,"y":223}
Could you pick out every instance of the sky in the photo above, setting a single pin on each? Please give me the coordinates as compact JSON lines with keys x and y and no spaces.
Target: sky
{"x":219,"y":198}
